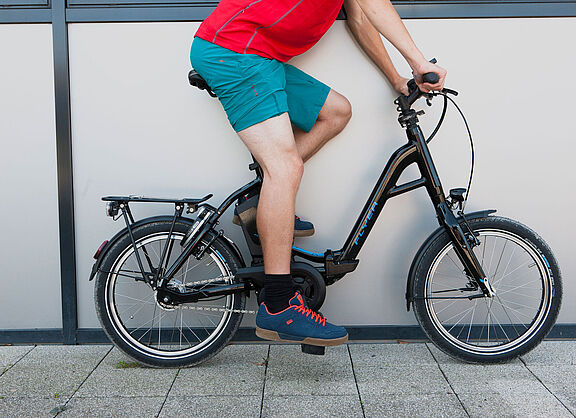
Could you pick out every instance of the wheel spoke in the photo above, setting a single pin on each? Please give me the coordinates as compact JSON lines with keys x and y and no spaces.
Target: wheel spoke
{"x":489,"y":325}
{"x":165,"y":331}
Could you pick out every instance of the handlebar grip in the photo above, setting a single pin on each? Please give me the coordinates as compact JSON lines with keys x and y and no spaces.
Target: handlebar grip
{"x":431,"y":78}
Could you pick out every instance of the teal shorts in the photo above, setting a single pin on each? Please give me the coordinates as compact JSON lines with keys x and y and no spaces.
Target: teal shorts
{"x":252,"y":88}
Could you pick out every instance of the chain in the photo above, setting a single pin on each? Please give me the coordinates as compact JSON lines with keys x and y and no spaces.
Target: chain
{"x":200,"y":308}
{"x":213,"y":309}
{"x":217,"y":279}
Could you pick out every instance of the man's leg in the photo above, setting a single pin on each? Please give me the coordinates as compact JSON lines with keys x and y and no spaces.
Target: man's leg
{"x":333,"y":117}
{"x":272,"y":144}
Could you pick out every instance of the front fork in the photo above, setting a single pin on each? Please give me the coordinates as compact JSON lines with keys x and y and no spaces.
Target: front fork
{"x":463,"y":243}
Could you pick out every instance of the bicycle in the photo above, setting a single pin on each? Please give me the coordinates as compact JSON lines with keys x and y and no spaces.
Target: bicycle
{"x":170,"y":291}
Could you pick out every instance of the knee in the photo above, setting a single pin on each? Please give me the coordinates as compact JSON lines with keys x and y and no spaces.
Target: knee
{"x":344,"y":110}
{"x":287,"y":170}
{"x":340,"y":110}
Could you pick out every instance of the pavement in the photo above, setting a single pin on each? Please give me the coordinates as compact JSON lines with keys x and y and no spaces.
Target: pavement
{"x":261,"y":380}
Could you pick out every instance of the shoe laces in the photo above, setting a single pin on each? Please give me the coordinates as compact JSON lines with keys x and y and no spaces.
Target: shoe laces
{"x":311,"y":314}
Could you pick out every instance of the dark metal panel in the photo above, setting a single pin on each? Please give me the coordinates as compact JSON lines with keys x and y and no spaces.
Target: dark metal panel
{"x":31,"y":336}
{"x":10,"y":15}
{"x":138,"y":14}
{"x":141,"y":2}
{"x":169,"y":11}
{"x":64,"y":167}
{"x":359,"y":333}
{"x":415,"y":10}
{"x":20,"y":3}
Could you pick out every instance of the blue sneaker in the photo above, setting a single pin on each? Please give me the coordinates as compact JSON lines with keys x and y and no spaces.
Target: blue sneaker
{"x":298,"y":324}
{"x":302,"y":228}
{"x":246,"y":212}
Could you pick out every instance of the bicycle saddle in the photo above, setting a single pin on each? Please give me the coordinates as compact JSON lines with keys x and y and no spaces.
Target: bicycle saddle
{"x":196,"y":80}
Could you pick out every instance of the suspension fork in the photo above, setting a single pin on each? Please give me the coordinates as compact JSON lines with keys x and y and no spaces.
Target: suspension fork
{"x":462,"y":243}
{"x":463,"y":247}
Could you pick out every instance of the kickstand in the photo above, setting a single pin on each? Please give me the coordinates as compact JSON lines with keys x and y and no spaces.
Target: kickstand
{"x":313,"y":349}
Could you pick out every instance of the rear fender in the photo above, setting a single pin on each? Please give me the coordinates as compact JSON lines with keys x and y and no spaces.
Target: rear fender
{"x":123,"y":232}
{"x":421,"y":250}
{"x":227,"y":241}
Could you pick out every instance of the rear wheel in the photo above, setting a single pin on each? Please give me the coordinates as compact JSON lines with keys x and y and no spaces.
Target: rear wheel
{"x":528,"y":290}
{"x":157,"y":334}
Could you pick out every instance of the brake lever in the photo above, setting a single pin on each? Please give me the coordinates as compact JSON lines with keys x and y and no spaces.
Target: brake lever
{"x":430,"y":95}
{"x":449,"y":91}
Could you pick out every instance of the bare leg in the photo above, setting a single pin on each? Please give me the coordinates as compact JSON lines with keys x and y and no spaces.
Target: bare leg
{"x":272,"y":144}
{"x":332,"y":118}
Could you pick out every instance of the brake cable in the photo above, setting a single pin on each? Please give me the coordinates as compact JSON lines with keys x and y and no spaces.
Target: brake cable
{"x":446,"y":98}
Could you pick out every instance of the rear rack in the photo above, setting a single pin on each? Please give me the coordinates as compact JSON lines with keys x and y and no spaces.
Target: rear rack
{"x":132,"y":198}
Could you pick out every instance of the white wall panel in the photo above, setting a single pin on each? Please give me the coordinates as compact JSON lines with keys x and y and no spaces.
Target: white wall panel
{"x":139,"y":128}
{"x":29,"y":245}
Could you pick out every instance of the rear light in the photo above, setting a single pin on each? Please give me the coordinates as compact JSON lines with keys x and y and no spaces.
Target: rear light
{"x":112,"y":209}
{"x":99,"y":250}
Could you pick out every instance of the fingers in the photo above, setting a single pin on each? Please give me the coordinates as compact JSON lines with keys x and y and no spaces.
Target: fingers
{"x":430,"y":68}
{"x":401,"y":86}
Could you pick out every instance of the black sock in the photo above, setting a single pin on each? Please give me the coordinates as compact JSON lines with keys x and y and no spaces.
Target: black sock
{"x":279,"y":289}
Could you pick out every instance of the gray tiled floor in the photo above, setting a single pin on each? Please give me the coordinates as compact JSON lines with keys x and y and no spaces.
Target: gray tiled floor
{"x":352,"y":380}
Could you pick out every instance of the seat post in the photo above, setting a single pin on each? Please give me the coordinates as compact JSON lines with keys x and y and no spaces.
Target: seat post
{"x":256,"y":167}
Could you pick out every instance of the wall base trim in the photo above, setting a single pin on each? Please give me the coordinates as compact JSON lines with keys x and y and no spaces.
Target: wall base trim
{"x":357,"y":334}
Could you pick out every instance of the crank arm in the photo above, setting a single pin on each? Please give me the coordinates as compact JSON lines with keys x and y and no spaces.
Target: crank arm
{"x":478,"y":296}
{"x":170,"y":296}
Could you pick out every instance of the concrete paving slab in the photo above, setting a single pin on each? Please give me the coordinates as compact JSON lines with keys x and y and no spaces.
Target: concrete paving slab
{"x":443,"y":358}
{"x":10,"y":354}
{"x":236,"y":370}
{"x":410,"y":405}
{"x":568,"y":399}
{"x":552,"y":352}
{"x":514,"y":403}
{"x":212,"y":406}
{"x":113,"y":407}
{"x":309,"y":381}
{"x":556,"y":378}
{"x":238,"y":355}
{"x":291,"y":372}
{"x":419,"y":379}
{"x":560,"y":380}
{"x":290,"y":354}
{"x":18,"y":407}
{"x":374,"y":355}
{"x":312,"y":406}
{"x":119,"y":376}
{"x":49,"y":371}
{"x":493,"y":378}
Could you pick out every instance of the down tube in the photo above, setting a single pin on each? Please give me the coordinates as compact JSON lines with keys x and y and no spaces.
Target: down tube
{"x":402,"y":158}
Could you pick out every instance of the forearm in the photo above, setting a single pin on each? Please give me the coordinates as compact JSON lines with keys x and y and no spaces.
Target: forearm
{"x":385,"y":20}
{"x":370,"y":41}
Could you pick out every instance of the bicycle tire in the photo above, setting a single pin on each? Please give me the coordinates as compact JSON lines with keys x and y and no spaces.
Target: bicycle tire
{"x":119,"y":283}
{"x":520,"y":315}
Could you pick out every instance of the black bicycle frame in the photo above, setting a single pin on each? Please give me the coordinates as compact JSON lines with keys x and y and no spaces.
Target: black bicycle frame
{"x":415,"y":151}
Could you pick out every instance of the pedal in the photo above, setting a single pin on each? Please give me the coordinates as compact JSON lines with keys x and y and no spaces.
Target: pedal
{"x":313,"y":349}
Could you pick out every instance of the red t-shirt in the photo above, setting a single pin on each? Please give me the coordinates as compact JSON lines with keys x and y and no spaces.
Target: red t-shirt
{"x":279,"y":29}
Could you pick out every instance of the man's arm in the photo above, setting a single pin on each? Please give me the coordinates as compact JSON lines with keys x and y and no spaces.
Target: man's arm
{"x":371,"y":42}
{"x":385,"y":19}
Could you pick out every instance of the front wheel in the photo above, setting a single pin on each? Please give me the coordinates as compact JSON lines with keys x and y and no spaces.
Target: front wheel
{"x":159,"y":334}
{"x":528,"y":291}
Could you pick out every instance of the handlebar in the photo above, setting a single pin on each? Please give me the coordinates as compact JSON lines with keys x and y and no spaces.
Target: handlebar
{"x":404,"y":102}
{"x":431,"y":78}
